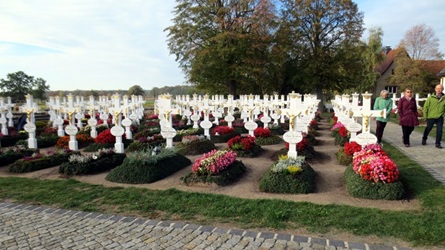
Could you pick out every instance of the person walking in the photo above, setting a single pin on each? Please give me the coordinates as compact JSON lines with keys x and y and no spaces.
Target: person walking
{"x":383,"y":102}
{"x":433,"y":111}
{"x":407,"y":109}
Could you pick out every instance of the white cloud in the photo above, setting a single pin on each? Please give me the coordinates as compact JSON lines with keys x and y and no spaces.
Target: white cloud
{"x":397,"y":17}
{"x":102,"y":44}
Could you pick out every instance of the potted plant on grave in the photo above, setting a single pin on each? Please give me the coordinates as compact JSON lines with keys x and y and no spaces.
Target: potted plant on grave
{"x":103,"y":160}
{"x":340,"y":133}
{"x":344,"y":154}
{"x":194,"y":145}
{"x":38,"y":161}
{"x":263,"y":136}
{"x":244,"y":146}
{"x":373,"y":175}
{"x":148,"y":166}
{"x":289,"y":175}
{"x":304,"y":148}
{"x":217,"y":166}
{"x":221,"y":134}
{"x":12,"y":154}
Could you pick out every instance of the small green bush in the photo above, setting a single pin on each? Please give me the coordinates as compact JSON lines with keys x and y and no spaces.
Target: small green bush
{"x":10,"y":156}
{"x":143,"y":146}
{"x":284,"y":183}
{"x":96,"y":166}
{"x":254,"y":151}
{"x":141,"y":167}
{"x":7,"y":140}
{"x":271,"y":140}
{"x":195,"y":147}
{"x":47,"y":141}
{"x":361,"y":188}
{"x":223,"y":138}
{"x":228,"y":176}
{"x":24,"y":166}
{"x":277,"y":130}
{"x":96,"y":146}
{"x":343,"y":158}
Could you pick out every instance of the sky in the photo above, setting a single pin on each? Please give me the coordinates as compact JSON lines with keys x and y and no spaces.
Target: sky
{"x":113,"y":45}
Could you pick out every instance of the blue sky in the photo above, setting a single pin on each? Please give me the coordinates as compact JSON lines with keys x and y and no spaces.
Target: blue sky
{"x":106,"y":44}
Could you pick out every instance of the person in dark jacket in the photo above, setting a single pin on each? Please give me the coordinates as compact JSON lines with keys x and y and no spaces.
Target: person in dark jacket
{"x":407,"y":110}
{"x":433,"y":111}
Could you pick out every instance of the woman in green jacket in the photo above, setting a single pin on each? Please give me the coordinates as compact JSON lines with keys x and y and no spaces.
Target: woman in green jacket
{"x":382,"y":102}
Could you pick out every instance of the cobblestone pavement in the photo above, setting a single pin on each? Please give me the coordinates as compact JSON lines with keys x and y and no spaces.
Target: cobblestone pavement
{"x":35,"y":227}
{"x":430,"y":157}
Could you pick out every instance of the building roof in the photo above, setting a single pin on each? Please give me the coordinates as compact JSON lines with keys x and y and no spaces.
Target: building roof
{"x":433,"y":66}
{"x":389,"y":59}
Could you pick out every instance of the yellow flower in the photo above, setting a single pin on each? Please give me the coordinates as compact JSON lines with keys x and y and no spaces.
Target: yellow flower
{"x":293,"y":169}
{"x":282,"y":157}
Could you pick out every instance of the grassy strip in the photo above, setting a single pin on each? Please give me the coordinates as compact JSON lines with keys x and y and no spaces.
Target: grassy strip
{"x":423,"y":227}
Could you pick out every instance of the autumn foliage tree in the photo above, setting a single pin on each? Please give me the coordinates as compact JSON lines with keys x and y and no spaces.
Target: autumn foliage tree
{"x":421,"y":43}
{"x":225,"y":46}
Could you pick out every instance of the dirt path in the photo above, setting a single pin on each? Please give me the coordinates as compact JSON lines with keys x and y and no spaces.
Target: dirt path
{"x":330,"y":187}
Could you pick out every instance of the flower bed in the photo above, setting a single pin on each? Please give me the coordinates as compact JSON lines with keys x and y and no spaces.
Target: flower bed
{"x":144,"y":167}
{"x":289,"y":175}
{"x":144,"y":143}
{"x":244,"y":146}
{"x":217,"y":166}
{"x":194,"y":145}
{"x":277,"y":130}
{"x":340,"y":133}
{"x":304,"y":148}
{"x":373,"y":175}
{"x":13,"y":154}
{"x":39,"y":161}
{"x":222,"y":134}
{"x":263,"y":136}
{"x":102,"y":160}
{"x":184,"y":132}
{"x":344,"y":155}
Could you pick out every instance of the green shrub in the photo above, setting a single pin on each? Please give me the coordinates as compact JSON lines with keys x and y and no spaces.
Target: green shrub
{"x":102,"y":164}
{"x":143,"y":146}
{"x":223,"y":138}
{"x":285,"y":183}
{"x":7,"y":140}
{"x":223,"y":178}
{"x":96,"y":146}
{"x":47,"y":141}
{"x":343,"y":158}
{"x":195,"y":147}
{"x":277,"y":130}
{"x":24,"y":166}
{"x":11,"y":156}
{"x":254,"y":151}
{"x":271,"y":140}
{"x":142,"y":167}
{"x":361,"y":188}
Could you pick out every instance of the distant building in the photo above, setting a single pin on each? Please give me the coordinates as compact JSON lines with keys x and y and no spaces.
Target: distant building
{"x":387,"y":67}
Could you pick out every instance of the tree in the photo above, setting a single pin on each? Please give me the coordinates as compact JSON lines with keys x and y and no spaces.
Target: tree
{"x":421,"y":43}
{"x":372,"y":57}
{"x":136,"y":90}
{"x":326,"y":35}
{"x":19,"y":84}
{"x":39,"y":89}
{"x":411,"y":73}
{"x":224,"y":46}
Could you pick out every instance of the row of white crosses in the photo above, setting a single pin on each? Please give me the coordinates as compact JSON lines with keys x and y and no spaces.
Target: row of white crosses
{"x":117,"y":106}
{"x":347,"y":114}
{"x":299,"y":113}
